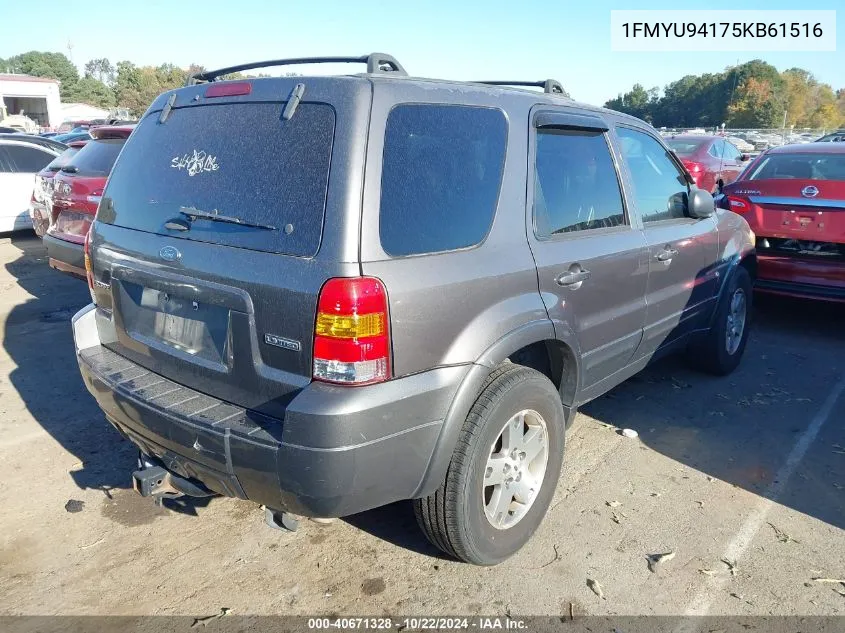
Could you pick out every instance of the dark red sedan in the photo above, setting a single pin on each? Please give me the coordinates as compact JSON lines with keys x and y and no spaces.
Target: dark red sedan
{"x":77,"y":190}
{"x":41,"y":204}
{"x":793,"y":198}
{"x":712,"y":161}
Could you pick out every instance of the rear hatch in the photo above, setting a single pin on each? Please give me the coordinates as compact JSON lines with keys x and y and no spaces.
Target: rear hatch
{"x":78,"y":186}
{"x":220,"y":223}
{"x":797,"y":198}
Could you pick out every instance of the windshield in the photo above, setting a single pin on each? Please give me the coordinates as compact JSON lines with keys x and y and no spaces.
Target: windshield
{"x":238,"y":160}
{"x":96,"y":158}
{"x":800,"y":166}
{"x":62,"y":159}
{"x":682,"y":147}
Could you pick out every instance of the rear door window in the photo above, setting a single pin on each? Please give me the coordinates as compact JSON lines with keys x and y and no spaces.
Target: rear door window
{"x":237,"y":160}
{"x":440,"y":178}
{"x":28,"y":160}
{"x":575,"y":183}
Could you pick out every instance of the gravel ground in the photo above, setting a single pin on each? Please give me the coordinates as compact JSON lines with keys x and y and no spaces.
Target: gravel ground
{"x":742,"y":478}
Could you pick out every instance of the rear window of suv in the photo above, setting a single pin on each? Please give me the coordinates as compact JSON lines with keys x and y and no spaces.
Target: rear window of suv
{"x":62,"y":159}
{"x":96,"y":158}
{"x":240,"y":160}
{"x":440,"y":178}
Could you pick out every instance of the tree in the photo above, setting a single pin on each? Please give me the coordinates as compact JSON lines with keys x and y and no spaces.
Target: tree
{"x":137,"y":87}
{"x":840,"y":104}
{"x":93,"y":92}
{"x":825,"y":113}
{"x":52,"y":65}
{"x":102,"y":70}
{"x":638,"y":102}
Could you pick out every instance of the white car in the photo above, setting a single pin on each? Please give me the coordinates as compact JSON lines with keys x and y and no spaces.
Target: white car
{"x":20,"y":161}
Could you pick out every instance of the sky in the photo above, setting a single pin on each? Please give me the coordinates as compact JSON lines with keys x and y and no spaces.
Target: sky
{"x":567,"y":40}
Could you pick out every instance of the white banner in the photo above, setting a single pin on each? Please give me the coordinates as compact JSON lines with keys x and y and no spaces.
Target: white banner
{"x":721,"y":30}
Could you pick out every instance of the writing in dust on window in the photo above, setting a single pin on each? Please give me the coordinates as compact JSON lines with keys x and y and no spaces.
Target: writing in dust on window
{"x":195,"y":162}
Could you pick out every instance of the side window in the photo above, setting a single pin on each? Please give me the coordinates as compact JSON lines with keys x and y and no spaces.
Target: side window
{"x":5,"y":163}
{"x":575,"y":183}
{"x":731,"y":152}
{"x":28,"y":160}
{"x":441,"y":177}
{"x":660,"y":188}
{"x":716,"y":149}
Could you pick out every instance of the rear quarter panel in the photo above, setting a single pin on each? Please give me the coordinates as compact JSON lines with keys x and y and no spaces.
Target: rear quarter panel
{"x":449,"y":308}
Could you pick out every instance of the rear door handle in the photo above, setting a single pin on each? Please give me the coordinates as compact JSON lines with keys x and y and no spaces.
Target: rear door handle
{"x":666,"y":255}
{"x":572,"y":277}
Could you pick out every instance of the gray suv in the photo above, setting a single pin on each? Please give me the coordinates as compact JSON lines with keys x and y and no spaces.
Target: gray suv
{"x":326,"y":294}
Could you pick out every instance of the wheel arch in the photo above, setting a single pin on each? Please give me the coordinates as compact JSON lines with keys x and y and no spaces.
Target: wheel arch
{"x":530,"y":345}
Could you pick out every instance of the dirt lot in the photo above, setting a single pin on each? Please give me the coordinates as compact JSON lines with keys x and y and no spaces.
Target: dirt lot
{"x":748,"y":469}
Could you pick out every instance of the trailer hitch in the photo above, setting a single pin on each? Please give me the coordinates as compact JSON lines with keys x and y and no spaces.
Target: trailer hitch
{"x":155,"y":481}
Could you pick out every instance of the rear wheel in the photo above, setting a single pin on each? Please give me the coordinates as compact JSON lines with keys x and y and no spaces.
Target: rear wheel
{"x":720,"y":351}
{"x":504,"y":470}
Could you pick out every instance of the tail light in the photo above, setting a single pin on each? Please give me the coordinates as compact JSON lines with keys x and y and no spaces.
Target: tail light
{"x":229,"y":89}
{"x":352,"y":332}
{"x":695,"y":170}
{"x":737,"y":205}
{"x":89,"y":268}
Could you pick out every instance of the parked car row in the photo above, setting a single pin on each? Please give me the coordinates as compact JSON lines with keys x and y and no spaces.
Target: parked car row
{"x":55,"y":187}
{"x":76,"y":190}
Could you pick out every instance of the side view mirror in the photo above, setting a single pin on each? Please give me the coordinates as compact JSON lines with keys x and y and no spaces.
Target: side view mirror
{"x":701,"y":204}
{"x":744,"y":157}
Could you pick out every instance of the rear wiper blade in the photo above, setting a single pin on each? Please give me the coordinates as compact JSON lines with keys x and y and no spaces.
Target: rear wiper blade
{"x":214,"y":216}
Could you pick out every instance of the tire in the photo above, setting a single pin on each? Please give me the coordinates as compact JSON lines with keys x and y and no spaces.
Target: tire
{"x":714,"y":354}
{"x":454,"y":517}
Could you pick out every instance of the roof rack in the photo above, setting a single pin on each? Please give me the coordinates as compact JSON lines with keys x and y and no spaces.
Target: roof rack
{"x":376,"y":63}
{"x":550,"y":86}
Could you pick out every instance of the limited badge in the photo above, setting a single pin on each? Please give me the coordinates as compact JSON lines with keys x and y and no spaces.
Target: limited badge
{"x":285,"y":343}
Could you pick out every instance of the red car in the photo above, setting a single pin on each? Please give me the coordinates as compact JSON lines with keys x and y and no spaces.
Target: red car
{"x":77,"y":189}
{"x":793,"y":197}
{"x":712,"y":161}
{"x":41,"y":204}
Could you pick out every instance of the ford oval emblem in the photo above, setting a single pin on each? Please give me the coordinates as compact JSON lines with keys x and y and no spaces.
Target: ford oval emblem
{"x":170,"y":253}
{"x":810,"y":191}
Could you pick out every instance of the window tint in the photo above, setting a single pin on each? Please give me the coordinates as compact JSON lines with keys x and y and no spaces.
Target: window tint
{"x":96,"y":158}
{"x":683,"y":147}
{"x":716,"y":149}
{"x":5,"y":161}
{"x":731,"y":152}
{"x":575,"y":183}
{"x":801,"y":167}
{"x":441,"y":176}
{"x":62,"y":159}
{"x":238,"y":159}
{"x":660,"y":188}
{"x":28,"y":160}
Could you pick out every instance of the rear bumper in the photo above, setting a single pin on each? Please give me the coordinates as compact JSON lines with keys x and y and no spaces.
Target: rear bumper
{"x":801,"y":277}
{"x":338,"y":451}
{"x":65,"y":256}
{"x":40,"y":216}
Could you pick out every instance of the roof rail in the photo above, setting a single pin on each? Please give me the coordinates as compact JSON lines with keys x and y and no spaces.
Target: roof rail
{"x":550,"y":86}
{"x":376,"y":63}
